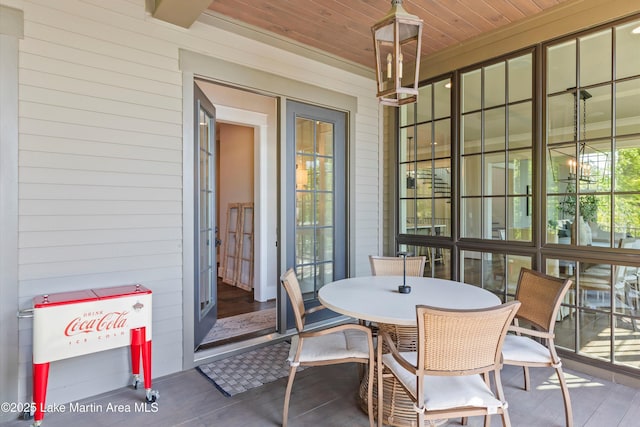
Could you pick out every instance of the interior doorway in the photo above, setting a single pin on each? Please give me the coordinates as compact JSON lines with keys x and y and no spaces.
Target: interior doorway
{"x":240,"y":314}
{"x":245,"y":297}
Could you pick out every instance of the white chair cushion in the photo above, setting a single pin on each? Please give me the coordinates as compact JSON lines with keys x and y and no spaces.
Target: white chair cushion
{"x":524,"y":349}
{"x":337,"y":345}
{"x":444,"y":392}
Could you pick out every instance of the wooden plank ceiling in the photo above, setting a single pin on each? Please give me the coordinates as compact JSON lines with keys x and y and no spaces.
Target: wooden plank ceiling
{"x":343,"y":27}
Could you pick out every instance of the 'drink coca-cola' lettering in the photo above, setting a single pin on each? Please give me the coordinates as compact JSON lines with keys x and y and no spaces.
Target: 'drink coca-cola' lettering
{"x":109,"y":321}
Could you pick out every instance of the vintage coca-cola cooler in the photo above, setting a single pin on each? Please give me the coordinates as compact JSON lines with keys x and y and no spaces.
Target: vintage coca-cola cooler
{"x":71,"y":324}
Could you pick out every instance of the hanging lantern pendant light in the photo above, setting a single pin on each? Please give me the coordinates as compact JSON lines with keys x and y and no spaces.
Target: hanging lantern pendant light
{"x":397,"y":41}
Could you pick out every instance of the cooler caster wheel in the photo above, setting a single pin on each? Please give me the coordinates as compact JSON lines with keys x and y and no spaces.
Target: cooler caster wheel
{"x":152,"y":395}
{"x":26,"y":414}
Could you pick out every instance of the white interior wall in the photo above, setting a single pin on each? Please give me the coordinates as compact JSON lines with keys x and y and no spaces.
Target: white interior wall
{"x":101,"y":166}
{"x":235,"y":172}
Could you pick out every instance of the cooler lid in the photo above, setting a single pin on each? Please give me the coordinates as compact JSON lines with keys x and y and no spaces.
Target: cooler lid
{"x":63,"y":298}
{"x":121,"y":291}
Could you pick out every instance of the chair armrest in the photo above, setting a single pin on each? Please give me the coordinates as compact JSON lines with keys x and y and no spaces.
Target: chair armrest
{"x":394,"y":352}
{"x":531,"y":332}
{"x":314,"y":309}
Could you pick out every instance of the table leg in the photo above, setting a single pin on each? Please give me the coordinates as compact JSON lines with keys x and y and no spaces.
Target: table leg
{"x":397,"y":406}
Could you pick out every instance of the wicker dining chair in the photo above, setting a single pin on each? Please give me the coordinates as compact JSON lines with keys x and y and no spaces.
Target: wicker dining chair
{"x":449,"y":374}
{"x":394,"y":266}
{"x":338,"y":344}
{"x":533,"y":344}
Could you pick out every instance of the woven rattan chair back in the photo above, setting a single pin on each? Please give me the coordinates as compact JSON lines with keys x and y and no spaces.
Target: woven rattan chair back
{"x":394,"y":266}
{"x":462,"y":342}
{"x":541,"y":296}
{"x":344,"y":343}
{"x":292,"y":286}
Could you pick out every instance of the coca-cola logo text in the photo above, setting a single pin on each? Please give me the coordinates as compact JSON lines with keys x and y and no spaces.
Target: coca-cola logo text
{"x":109,"y":321}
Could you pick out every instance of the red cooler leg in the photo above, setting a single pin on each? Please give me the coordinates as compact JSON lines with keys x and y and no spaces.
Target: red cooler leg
{"x":40,"y":379}
{"x":136,"y":343}
{"x":146,"y":360}
{"x":137,"y":340}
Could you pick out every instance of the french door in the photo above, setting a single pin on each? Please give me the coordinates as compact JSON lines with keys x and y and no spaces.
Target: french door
{"x":205,"y":268}
{"x":316,"y":198}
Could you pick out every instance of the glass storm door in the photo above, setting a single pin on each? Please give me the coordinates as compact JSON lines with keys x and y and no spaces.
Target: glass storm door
{"x":316,"y":198}
{"x":205,"y":219}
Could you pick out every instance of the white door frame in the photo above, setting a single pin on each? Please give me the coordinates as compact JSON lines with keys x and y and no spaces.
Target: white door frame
{"x":265,"y":203}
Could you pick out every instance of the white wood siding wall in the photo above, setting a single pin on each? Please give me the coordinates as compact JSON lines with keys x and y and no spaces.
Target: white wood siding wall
{"x":100,"y":165}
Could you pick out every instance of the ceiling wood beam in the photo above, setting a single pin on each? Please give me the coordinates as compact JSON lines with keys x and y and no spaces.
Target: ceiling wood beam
{"x":179,"y":12}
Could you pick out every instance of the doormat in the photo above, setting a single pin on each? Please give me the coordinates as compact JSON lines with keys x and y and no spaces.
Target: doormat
{"x":242,"y":324}
{"x":247,"y":370}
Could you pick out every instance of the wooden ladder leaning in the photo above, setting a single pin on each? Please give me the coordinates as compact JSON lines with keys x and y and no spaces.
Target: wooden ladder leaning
{"x":237,"y":265}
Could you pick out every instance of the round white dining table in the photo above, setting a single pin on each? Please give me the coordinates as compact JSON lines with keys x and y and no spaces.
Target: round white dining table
{"x":376,"y":298}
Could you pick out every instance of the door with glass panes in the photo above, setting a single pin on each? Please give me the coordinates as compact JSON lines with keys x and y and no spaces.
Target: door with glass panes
{"x":205,"y":276}
{"x":316,"y":199}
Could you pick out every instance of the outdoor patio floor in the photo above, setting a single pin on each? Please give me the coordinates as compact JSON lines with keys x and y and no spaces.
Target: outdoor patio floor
{"x":326,"y":397}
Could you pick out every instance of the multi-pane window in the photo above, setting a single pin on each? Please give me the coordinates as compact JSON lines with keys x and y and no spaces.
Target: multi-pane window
{"x":593,"y":138}
{"x":592,"y":95}
{"x":562,"y":161}
{"x":494,"y":271}
{"x":424,"y":158}
{"x":314,"y":202}
{"x":205,"y":203}
{"x":496,"y":147}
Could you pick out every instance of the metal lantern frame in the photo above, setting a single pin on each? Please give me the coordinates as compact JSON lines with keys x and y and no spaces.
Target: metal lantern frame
{"x":401,"y":31}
